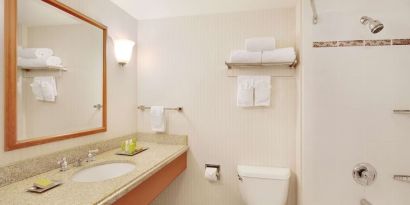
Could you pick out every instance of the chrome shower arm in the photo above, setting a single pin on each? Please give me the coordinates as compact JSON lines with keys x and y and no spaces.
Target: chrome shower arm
{"x":315,"y":15}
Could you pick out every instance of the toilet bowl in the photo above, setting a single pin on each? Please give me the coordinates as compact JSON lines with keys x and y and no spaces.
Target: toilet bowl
{"x":263,"y":185}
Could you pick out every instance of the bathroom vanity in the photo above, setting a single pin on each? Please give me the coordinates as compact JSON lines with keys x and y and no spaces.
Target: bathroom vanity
{"x":154,"y":170}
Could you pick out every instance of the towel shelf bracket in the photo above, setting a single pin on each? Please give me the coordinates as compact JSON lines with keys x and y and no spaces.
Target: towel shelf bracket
{"x":143,"y":108}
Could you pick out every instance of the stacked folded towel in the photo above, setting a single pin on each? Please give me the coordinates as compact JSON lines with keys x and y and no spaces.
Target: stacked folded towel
{"x":281,"y":55}
{"x":37,"y":58}
{"x":263,"y":50}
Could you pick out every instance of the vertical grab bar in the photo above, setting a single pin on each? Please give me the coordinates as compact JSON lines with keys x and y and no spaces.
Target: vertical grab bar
{"x":364,"y":202}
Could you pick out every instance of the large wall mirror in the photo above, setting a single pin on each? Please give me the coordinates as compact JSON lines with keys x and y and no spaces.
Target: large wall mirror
{"x":55,"y":73}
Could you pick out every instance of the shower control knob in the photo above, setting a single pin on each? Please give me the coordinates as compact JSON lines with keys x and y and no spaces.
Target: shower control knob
{"x":364,"y":174}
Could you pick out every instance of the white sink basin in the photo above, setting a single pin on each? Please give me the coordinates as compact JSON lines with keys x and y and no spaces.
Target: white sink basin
{"x":103,"y":172}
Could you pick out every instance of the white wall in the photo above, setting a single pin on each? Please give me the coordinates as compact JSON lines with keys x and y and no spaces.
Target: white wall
{"x":181,"y":63}
{"x":122,"y":96}
{"x":348,"y":98}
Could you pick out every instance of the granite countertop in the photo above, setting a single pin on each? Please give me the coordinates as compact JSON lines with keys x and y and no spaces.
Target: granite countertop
{"x":104,"y":192}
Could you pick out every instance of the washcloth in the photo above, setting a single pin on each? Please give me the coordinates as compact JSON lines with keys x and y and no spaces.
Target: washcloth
{"x":158,"y":123}
{"x":44,"y":88}
{"x":245,"y":91}
{"x":262,"y":85}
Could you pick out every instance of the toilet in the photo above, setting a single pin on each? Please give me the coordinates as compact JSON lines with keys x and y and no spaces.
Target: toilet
{"x":263,"y":185}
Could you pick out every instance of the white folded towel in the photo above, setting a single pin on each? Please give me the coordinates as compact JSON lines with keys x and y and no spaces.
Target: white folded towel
{"x":260,"y":44}
{"x":241,"y":56}
{"x":35,"y":52}
{"x":51,"y":61}
{"x":262,"y":85}
{"x":245,"y":91}
{"x":44,"y":88}
{"x":158,"y":123}
{"x":282,"y":55}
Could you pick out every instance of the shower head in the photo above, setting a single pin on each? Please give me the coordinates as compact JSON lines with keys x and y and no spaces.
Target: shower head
{"x":375,"y":26}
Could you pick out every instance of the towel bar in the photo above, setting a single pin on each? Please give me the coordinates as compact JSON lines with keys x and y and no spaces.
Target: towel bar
{"x":401,"y":111}
{"x":143,"y":108}
{"x":239,"y":65}
{"x":402,"y":178}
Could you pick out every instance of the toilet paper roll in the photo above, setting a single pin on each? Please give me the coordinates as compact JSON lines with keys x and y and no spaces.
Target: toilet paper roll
{"x":211,"y":174}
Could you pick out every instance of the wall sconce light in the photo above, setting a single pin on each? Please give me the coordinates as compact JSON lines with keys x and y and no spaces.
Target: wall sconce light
{"x":123,"y":50}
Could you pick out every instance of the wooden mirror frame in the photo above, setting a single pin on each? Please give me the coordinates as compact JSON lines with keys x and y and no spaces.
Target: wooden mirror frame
{"x":10,"y":76}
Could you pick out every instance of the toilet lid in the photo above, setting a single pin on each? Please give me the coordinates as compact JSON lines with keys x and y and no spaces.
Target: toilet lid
{"x":264,"y":172}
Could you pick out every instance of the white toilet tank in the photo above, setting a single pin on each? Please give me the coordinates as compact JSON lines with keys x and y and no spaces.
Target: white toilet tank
{"x":264,"y":185}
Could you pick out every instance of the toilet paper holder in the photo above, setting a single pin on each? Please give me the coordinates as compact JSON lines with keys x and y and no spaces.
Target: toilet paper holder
{"x":218,"y":169}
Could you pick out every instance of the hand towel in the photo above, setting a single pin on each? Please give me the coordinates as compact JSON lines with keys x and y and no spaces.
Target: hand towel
{"x":241,"y":56}
{"x":245,"y":91}
{"x":260,"y":44}
{"x":44,"y":88}
{"x":158,"y":123}
{"x":262,"y":85}
{"x":282,"y":55}
{"x":34,"y":63}
{"x":35,"y":52}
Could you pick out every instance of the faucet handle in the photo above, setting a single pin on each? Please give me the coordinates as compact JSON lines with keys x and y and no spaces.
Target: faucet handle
{"x":63,"y":164}
{"x":78,"y":162}
{"x":91,"y":155}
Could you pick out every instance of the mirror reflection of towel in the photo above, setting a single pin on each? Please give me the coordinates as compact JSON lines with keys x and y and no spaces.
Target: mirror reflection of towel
{"x":44,"y":88}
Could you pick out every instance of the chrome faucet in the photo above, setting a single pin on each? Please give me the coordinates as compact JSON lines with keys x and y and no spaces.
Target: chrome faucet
{"x":91,"y":155}
{"x":63,"y":164}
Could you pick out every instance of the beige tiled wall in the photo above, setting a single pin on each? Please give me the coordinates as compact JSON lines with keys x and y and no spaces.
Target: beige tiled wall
{"x":181,"y":63}
{"x":348,"y":97}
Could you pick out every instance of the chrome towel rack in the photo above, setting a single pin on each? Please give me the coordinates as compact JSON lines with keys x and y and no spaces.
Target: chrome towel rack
{"x":402,"y":178}
{"x":143,"y":108}
{"x":401,"y":111}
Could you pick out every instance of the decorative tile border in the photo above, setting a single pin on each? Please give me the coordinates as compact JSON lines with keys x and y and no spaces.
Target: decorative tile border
{"x":31,"y":167}
{"x":378,"y":43}
{"x":325,"y":44}
{"x":401,"y":41}
{"x":353,"y":43}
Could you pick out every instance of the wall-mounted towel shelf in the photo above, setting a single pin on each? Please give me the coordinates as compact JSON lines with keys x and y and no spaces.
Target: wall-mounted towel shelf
{"x":143,"y":108}
{"x":33,"y":72}
{"x":50,"y":68}
{"x":250,"y":65}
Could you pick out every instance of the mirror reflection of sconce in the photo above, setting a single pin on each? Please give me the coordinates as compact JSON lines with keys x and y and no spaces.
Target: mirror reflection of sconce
{"x":123,"y":50}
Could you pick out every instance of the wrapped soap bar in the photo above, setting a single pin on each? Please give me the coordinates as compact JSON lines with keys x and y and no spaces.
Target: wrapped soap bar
{"x":43,"y":183}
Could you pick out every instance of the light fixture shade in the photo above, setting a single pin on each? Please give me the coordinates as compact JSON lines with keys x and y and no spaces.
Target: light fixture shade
{"x":123,"y":50}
